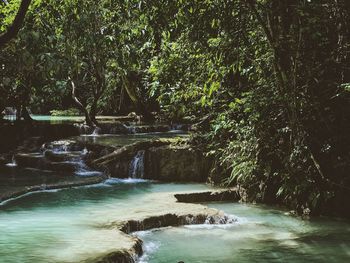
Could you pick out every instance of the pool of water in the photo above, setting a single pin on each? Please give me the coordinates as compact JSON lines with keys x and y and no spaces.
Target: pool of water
{"x":66,"y":225}
{"x":50,"y":119}
{"x":261,"y":234}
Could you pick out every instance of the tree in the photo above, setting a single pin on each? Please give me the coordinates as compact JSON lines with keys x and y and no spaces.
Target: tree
{"x":16,"y":24}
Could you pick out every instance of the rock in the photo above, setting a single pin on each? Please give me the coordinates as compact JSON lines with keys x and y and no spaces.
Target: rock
{"x":27,"y":136}
{"x":33,"y":160}
{"x":83,"y":128}
{"x":64,"y":145}
{"x":209,"y":196}
{"x":3,"y":160}
{"x":61,"y":156}
{"x":176,"y":163}
{"x":121,"y":256}
{"x":162,"y":161}
{"x":62,"y":166}
{"x":128,"y":151}
{"x":151,"y":128}
{"x":116,"y":127}
{"x":163,"y":221}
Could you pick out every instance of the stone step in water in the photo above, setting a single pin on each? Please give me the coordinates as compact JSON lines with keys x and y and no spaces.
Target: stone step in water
{"x":33,"y":160}
{"x":63,"y":166}
{"x":63,"y":156}
{"x":63,"y":146}
{"x":39,"y":161}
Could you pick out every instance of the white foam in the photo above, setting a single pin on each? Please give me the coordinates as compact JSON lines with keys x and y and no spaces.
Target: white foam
{"x":112,"y":181}
{"x":11,"y":164}
{"x":148,"y":249}
{"x":83,"y":173}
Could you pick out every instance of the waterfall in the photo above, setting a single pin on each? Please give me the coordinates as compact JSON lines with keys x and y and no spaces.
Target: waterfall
{"x":96,"y":131}
{"x":136,"y":169}
{"x":131,"y":129}
{"x":13,"y":163}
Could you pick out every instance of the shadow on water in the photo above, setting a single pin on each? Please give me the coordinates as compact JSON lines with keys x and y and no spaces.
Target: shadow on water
{"x":261,"y":234}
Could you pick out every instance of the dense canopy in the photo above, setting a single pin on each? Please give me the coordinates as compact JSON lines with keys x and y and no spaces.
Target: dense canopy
{"x":267,"y":82}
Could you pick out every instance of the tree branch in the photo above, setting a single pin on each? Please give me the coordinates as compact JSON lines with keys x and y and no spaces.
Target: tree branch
{"x":12,"y":31}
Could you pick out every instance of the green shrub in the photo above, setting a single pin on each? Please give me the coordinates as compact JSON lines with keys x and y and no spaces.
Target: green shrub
{"x":68,"y":112}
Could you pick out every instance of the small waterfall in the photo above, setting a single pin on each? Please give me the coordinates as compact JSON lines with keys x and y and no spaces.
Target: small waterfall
{"x":136,"y":169}
{"x":13,"y":163}
{"x":131,"y":129}
{"x":85,"y":151}
{"x":96,"y":131}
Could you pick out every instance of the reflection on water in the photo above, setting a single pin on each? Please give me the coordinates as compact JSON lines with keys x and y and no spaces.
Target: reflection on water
{"x":261,"y":234}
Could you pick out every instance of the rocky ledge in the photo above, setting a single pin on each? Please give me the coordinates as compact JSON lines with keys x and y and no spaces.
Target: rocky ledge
{"x":232,"y":194}
{"x":17,"y":191}
{"x":169,"y":160}
{"x":148,"y":217}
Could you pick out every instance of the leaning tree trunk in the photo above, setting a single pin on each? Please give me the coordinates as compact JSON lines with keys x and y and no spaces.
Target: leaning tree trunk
{"x":81,"y":107}
{"x":97,"y":93}
{"x":139,"y":105}
{"x":16,"y":25}
{"x":93,"y":110}
{"x":25,"y":114}
{"x":129,"y":150}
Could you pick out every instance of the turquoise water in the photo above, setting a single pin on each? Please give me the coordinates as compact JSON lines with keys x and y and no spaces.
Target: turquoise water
{"x":65,"y":225}
{"x":261,"y":234}
{"x":49,"y":118}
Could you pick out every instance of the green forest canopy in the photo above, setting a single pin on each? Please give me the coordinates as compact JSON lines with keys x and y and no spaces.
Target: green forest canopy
{"x":267,"y":80}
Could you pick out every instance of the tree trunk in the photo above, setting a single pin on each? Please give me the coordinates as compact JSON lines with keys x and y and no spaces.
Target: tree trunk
{"x":25,"y":114}
{"x":121,"y":99}
{"x":18,"y":112}
{"x":12,"y":31}
{"x":129,"y":151}
{"x":80,"y":106}
{"x":140,"y":107}
{"x":93,"y":110}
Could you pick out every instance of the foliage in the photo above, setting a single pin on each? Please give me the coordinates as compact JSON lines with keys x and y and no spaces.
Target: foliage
{"x":267,"y":80}
{"x":68,"y":112}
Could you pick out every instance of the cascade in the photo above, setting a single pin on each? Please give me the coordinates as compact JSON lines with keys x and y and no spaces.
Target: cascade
{"x":136,"y":169}
{"x":13,"y":163}
{"x":96,"y":131}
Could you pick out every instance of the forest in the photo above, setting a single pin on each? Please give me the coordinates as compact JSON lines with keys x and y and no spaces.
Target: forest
{"x":264,"y":85}
{"x":267,"y":80}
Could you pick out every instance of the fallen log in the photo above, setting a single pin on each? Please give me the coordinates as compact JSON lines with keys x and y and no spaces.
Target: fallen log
{"x":129,"y":151}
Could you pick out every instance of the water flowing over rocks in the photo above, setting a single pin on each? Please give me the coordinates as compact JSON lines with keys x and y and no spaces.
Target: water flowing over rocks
{"x":56,"y":165}
{"x":75,"y":163}
{"x":121,"y":256}
{"x":163,"y":161}
{"x":173,"y":214}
